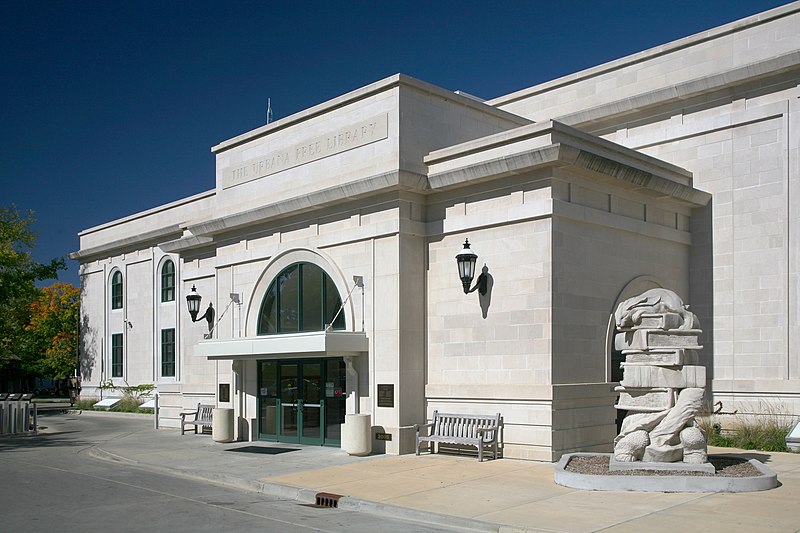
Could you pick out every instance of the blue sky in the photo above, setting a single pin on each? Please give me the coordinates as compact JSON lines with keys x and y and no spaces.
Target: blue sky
{"x":110,"y":108}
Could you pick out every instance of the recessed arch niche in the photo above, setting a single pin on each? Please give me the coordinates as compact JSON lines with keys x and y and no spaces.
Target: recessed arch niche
{"x":637,"y":285}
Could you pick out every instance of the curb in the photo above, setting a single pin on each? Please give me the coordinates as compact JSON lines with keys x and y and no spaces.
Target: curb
{"x":426,"y":517}
{"x":309,"y":496}
{"x":270,"y":489}
{"x":767,"y":480}
{"x":72,"y":411}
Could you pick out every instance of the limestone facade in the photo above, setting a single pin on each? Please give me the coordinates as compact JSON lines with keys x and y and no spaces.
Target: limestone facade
{"x":722,"y":104}
{"x":670,"y":168}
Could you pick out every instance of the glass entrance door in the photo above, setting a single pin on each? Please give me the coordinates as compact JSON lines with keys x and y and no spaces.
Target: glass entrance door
{"x":301,"y":401}
{"x":289,"y":402}
{"x":301,"y":404}
{"x":312,"y":404}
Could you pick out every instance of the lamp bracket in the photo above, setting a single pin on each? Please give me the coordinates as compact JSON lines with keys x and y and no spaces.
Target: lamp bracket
{"x":480,"y":285}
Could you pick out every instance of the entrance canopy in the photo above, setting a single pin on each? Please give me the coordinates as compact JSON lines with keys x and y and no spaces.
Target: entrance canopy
{"x":310,"y":344}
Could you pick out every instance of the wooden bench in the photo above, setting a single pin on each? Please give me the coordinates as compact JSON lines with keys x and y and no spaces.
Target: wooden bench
{"x":202,"y":417}
{"x":471,"y":430}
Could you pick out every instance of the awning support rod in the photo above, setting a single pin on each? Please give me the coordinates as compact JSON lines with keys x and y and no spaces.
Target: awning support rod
{"x":358,"y":282}
{"x":234,"y":300}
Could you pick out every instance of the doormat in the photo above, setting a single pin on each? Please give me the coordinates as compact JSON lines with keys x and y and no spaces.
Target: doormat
{"x":268,"y":450}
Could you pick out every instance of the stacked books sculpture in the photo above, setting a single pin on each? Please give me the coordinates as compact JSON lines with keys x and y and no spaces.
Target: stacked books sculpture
{"x":663,"y":384}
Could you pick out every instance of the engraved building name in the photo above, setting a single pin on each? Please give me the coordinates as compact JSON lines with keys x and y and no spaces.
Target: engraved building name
{"x":340,"y":140}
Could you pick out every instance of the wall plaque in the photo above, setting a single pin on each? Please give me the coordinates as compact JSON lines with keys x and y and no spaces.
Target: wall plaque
{"x":386,"y":395}
{"x":224,"y":392}
{"x":383,"y":436}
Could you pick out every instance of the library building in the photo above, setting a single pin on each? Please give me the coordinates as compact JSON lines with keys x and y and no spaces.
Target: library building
{"x":404,"y":249}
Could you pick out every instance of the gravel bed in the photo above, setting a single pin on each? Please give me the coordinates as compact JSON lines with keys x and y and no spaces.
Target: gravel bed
{"x":598,"y":465}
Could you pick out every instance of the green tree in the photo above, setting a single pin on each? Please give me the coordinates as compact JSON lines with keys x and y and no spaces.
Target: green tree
{"x":18,"y":276}
{"x":51,"y":341}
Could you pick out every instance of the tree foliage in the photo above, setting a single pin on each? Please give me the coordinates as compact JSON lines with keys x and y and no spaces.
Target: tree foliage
{"x":18,"y":271}
{"x":51,"y":341}
{"x":18,"y":276}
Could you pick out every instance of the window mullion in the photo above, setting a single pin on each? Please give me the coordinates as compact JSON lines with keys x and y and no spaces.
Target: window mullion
{"x":300,"y":314}
{"x":278,"y":304}
{"x":323,"y":301}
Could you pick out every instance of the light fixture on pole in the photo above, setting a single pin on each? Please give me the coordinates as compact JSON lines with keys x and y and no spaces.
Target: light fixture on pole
{"x":193,"y":303}
{"x":466,"y":270}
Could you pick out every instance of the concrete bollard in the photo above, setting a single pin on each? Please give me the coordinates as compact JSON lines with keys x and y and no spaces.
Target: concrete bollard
{"x":222,"y":424}
{"x":357,"y":434}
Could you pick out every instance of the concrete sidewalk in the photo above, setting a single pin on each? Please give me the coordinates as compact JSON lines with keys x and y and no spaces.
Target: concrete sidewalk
{"x":457,"y":491}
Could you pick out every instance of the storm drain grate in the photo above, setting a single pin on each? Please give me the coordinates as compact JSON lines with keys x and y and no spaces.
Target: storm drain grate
{"x":326,"y":499}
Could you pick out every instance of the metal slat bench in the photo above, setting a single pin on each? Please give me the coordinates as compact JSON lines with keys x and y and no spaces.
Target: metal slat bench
{"x":202,"y":417}
{"x":470,"y":430}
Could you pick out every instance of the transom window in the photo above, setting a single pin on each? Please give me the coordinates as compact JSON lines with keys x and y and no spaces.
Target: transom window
{"x":168,"y":281}
{"x":301,"y":298}
{"x":116,"y":290}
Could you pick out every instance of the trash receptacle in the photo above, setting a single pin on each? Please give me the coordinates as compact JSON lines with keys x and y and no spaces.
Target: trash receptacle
{"x":357,"y":434}
{"x":222,"y":424}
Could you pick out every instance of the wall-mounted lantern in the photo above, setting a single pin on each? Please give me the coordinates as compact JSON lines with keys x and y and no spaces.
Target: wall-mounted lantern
{"x":466,"y":270}
{"x":193,"y":303}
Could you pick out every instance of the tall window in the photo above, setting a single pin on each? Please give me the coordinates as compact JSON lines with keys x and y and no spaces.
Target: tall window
{"x":168,"y":352}
{"x":168,"y":281}
{"x":116,"y":355}
{"x":301,"y":298}
{"x":116,"y":290}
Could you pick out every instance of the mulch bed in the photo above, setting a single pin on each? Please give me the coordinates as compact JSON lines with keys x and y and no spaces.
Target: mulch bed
{"x":598,"y":465}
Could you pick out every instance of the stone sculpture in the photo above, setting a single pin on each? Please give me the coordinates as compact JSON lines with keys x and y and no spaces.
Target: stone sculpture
{"x":662,"y":385}
{"x":654,"y":302}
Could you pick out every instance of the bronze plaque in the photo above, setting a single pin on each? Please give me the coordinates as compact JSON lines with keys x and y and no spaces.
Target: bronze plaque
{"x":386,"y":395}
{"x":383,"y":436}
{"x":224,"y":392}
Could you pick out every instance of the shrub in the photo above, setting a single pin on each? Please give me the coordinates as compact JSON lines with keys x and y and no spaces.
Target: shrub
{"x":128,"y":404}
{"x":86,"y":402}
{"x":132,"y":397}
{"x":767,"y":432}
{"x":768,"y":435}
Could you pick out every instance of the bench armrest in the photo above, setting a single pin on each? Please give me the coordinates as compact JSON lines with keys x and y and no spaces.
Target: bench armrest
{"x":483,"y":431}
{"x":418,"y":426}
{"x":184,"y":414}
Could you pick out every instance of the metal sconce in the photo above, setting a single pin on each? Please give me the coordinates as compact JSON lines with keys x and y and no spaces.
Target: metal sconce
{"x":193,"y":303}
{"x":466,"y":270}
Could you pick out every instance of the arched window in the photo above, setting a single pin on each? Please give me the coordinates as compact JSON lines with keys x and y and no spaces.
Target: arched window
{"x":168,"y":281}
{"x":301,"y":298}
{"x":116,"y":290}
